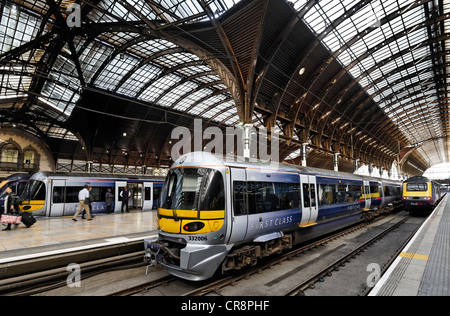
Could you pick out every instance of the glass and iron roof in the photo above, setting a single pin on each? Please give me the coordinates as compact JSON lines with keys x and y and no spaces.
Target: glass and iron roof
{"x":393,"y":49}
{"x":147,"y":69}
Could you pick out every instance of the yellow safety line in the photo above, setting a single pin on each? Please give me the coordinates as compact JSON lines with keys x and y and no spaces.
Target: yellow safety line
{"x":414,"y":256}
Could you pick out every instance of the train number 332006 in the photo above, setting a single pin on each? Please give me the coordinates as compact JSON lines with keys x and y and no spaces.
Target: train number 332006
{"x":198,"y":238}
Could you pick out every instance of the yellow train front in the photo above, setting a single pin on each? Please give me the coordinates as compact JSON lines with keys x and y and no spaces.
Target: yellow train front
{"x":420,"y":195}
{"x":191,"y":220}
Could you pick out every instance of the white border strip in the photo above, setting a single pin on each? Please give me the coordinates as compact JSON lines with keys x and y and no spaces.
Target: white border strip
{"x":109,"y":242}
{"x":388,"y":273}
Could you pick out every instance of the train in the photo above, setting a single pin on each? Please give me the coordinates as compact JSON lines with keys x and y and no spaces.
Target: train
{"x":56,"y":194}
{"x":420,"y":195}
{"x":17,"y":182}
{"x":218,"y":215}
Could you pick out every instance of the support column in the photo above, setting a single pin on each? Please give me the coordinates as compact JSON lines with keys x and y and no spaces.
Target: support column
{"x":247,"y":139}
{"x":89,"y":166}
{"x":355,"y":165}
{"x":304,"y":153}
{"x":336,"y":161}
{"x":370,"y":166}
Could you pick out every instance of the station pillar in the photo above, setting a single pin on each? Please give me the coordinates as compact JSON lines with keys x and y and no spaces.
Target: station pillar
{"x":355,"y":165}
{"x":336,"y":162}
{"x":304,"y":153}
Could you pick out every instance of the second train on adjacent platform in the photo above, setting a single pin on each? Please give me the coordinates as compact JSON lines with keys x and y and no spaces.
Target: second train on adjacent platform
{"x":420,"y":195}
{"x":216,"y":214}
{"x":56,"y":194}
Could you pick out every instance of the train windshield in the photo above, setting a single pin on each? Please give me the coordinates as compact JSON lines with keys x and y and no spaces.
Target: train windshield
{"x":35,"y":190}
{"x":197,"y":189}
{"x":417,"y":186}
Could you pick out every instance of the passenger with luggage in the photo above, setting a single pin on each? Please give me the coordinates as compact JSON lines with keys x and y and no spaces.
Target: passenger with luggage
{"x":10,"y":208}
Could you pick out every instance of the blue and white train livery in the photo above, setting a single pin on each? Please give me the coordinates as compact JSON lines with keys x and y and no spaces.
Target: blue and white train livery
{"x":56,"y":194}
{"x":216,"y":214}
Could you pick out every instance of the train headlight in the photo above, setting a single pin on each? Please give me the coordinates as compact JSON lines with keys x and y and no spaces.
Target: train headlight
{"x":193,"y":226}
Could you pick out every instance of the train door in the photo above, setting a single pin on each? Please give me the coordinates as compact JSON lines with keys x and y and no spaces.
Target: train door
{"x":57,"y":202}
{"x":118,"y":187}
{"x":309,"y":200}
{"x":366,"y":193}
{"x":239,"y":204}
{"x":147,"y":202}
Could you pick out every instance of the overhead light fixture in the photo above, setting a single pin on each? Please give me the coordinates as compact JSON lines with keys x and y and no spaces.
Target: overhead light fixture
{"x":124,"y":134}
{"x":301,"y":71}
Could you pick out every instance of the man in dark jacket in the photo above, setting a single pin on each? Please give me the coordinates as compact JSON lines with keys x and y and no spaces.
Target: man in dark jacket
{"x":125,"y":194}
{"x":10,"y":205}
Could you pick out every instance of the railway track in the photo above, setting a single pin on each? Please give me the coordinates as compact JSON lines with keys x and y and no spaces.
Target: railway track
{"x":244,"y":274}
{"x":157,"y":286}
{"x":299,"y":289}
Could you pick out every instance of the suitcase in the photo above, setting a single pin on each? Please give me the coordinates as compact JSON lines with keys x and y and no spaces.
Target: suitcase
{"x":27,"y":219}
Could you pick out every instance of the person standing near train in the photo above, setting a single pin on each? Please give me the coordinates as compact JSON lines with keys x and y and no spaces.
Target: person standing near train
{"x":108,"y":201}
{"x":83,"y":197}
{"x":125,"y":194}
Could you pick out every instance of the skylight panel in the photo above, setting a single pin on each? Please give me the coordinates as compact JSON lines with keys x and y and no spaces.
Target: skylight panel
{"x":138,"y":78}
{"x":158,"y":87}
{"x":92,"y":58}
{"x":171,"y":95}
{"x":316,"y":19}
{"x":16,"y":27}
{"x":190,"y":99}
{"x":172,"y":60}
{"x":204,"y":105}
{"x":115,"y":71}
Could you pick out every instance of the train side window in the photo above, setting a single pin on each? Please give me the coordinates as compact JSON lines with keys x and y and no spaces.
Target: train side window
{"x":312,"y":191}
{"x":147,"y":194}
{"x":354,"y":193}
{"x":288,"y":195}
{"x":58,"y":194}
{"x":306,"y":195}
{"x":156,"y":193}
{"x":239,"y":198}
{"x":326,"y":194}
{"x":98,"y":194}
{"x":72,"y":194}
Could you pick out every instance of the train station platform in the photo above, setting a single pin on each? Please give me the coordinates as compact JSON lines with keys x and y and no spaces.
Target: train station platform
{"x":423,"y":267}
{"x":57,"y":235}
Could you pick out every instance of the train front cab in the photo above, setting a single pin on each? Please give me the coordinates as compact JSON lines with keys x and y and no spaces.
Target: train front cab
{"x":34,"y":196}
{"x":191,"y":219}
{"x":418,"y":197}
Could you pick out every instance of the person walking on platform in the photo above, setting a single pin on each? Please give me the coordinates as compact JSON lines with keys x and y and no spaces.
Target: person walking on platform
{"x":108,"y":201}
{"x":89,"y":202}
{"x":83,"y":197}
{"x":125,"y":194}
{"x":10,"y":205}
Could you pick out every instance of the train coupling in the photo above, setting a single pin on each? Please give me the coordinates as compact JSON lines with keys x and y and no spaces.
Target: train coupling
{"x":154,"y":252}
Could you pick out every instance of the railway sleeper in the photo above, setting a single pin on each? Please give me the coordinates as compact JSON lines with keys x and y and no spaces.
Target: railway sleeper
{"x":248,"y":255}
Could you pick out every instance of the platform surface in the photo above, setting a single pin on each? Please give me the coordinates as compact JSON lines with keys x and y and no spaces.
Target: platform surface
{"x":53,"y":234}
{"x":423,"y":267}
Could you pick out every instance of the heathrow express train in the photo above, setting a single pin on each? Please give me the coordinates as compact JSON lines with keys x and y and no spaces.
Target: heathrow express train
{"x":420,"y":195}
{"x":17,"y":182}
{"x":56,"y":194}
{"x":214,"y":213}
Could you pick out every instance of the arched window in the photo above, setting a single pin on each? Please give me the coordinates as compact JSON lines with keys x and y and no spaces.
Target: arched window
{"x":28,"y":157}
{"x":10,"y":154}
